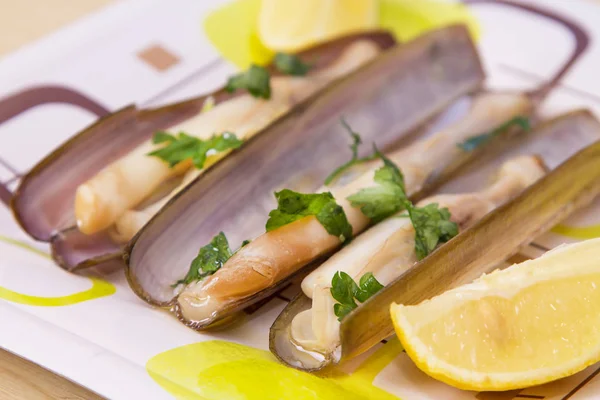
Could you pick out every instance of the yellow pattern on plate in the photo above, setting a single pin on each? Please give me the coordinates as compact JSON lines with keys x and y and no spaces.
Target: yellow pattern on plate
{"x":217,"y":369}
{"x":100,"y":288}
{"x":578,"y":232}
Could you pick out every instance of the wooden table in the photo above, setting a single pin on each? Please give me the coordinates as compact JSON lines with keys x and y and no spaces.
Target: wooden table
{"x":22,"y":379}
{"x":21,"y":22}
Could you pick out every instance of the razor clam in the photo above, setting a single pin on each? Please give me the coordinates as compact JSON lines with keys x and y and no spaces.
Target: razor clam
{"x":274,"y":255}
{"x":39,"y":203}
{"x":279,"y":338}
{"x":386,"y":250}
{"x":574,"y":181}
{"x":102,"y":200}
{"x":236,"y":196}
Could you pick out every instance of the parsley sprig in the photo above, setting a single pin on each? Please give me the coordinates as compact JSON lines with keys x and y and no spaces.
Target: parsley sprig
{"x":432,"y":224}
{"x":290,"y":64}
{"x":256,"y":80}
{"x":185,"y":147}
{"x":209,"y":260}
{"x":476,"y":141}
{"x":385,"y":199}
{"x":356,"y":142}
{"x":292,"y":206}
{"x":344,"y":290}
{"x":432,"y":227}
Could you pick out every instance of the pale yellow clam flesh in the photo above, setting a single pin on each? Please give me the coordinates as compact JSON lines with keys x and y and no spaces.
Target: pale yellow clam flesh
{"x":111,"y":195}
{"x":388,"y":249}
{"x":277,"y":254}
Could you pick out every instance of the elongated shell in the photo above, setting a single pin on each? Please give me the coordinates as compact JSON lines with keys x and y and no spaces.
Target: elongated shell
{"x":478,"y":249}
{"x":572,"y":184}
{"x":383,"y":101}
{"x":43,"y":203}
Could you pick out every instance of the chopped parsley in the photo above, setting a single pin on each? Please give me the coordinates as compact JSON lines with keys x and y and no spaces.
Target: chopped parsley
{"x":476,"y":141}
{"x":209,"y":260}
{"x":184,"y":147}
{"x":256,"y":80}
{"x":344,"y":290}
{"x":356,"y":141}
{"x":292,"y":206}
{"x":385,"y":199}
{"x":432,"y":224}
{"x":432,"y":227}
{"x":290,"y":64}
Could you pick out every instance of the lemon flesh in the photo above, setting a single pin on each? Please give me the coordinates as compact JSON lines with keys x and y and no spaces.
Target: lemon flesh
{"x":532,"y":323}
{"x":293,"y":25}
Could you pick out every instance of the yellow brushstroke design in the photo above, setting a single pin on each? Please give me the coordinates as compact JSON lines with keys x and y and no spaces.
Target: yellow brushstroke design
{"x":217,"y":369}
{"x":100,"y":288}
{"x":408,"y":19}
{"x":576,"y":232}
{"x":23,"y":245}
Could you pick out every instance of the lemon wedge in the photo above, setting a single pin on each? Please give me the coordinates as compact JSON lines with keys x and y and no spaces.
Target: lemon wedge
{"x":532,"y":323}
{"x":289,"y":26}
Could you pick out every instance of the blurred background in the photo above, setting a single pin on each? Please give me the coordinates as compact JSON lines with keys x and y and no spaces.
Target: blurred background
{"x":26,"y":20}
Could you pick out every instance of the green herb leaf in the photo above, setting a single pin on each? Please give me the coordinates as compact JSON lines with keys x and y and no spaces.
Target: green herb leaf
{"x":432,"y":224}
{"x":290,"y":64}
{"x":183,"y":147}
{"x":244,"y":243}
{"x":163,"y":137}
{"x":368,"y":287}
{"x":476,"y":141}
{"x":432,"y":227}
{"x":356,"y":141}
{"x":341,"y":310}
{"x":344,"y":290}
{"x":209,"y":260}
{"x":292,"y":206}
{"x":256,"y":80}
{"x":385,"y":199}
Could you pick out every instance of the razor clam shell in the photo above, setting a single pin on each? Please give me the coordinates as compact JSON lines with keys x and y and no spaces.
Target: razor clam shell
{"x":450,"y":115}
{"x":280,"y":342}
{"x":39,"y":203}
{"x":384,"y":100}
{"x":251,"y":301}
{"x":555,"y":141}
{"x":74,"y":251}
{"x":43,"y":202}
{"x":573,"y":183}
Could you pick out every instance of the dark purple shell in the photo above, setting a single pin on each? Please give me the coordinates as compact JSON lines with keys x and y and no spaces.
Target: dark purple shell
{"x":43,"y":203}
{"x":554,"y":141}
{"x":384,"y":101}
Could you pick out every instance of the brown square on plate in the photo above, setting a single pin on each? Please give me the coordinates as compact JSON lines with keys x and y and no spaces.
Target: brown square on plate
{"x":158,"y":57}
